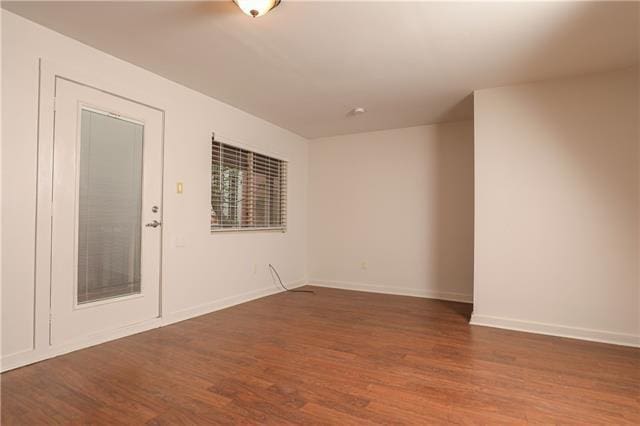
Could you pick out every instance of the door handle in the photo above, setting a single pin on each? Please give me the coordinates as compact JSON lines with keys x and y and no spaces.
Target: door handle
{"x":153,"y":224}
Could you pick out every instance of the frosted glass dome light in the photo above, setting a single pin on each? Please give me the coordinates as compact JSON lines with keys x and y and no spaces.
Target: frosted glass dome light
{"x":256,"y":8}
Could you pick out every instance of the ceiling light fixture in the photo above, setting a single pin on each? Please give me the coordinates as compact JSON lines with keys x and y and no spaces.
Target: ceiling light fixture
{"x":256,"y":7}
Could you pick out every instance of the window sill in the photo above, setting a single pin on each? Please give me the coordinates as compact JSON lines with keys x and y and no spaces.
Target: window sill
{"x":268,"y":229}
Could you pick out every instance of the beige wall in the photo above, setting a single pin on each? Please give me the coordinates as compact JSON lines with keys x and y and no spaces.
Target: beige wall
{"x":392,"y":211}
{"x":556,"y":213}
{"x":201,"y":271}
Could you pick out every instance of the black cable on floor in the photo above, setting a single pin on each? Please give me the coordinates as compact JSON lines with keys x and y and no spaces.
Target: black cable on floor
{"x":273,"y":269}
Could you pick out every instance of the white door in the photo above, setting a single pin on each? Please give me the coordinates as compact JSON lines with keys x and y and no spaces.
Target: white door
{"x":106,"y":234}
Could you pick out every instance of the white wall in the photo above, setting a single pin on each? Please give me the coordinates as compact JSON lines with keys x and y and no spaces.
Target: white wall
{"x":401,"y":201}
{"x":211,"y":269}
{"x":557,"y":213}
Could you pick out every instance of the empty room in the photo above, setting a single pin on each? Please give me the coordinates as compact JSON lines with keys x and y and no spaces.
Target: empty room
{"x":320,"y":212}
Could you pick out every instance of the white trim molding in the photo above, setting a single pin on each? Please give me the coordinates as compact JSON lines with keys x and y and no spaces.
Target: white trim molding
{"x":398,"y":291}
{"x":20,"y":359}
{"x":591,"y":335}
{"x":226,"y":302}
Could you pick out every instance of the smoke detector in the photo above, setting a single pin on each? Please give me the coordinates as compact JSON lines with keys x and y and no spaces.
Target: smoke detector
{"x":357,"y":111}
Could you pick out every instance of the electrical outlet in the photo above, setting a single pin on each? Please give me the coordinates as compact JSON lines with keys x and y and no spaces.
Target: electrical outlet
{"x":255,"y":269}
{"x":363,"y":266}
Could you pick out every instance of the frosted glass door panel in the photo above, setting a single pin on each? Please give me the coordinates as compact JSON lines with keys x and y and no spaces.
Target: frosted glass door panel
{"x":109,"y":207}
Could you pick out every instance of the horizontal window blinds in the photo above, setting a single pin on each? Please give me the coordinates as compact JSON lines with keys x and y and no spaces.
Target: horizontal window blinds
{"x":248,"y":190}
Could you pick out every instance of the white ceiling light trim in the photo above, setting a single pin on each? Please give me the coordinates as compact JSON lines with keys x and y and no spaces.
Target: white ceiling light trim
{"x":256,"y":8}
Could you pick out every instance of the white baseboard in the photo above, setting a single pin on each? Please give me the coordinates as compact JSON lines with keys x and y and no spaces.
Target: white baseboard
{"x":216,"y":305}
{"x":557,"y":330}
{"x":22,"y":358}
{"x":427,"y":294}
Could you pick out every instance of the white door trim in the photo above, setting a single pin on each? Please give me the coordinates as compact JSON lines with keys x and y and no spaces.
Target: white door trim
{"x":72,"y":319}
{"x":42,"y":349}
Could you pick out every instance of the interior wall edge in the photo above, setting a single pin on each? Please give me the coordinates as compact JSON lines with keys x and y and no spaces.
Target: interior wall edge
{"x":560,"y":78}
{"x":557,"y":330}
{"x":397,"y":291}
{"x":26,"y":357}
{"x":321,"y":139}
{"x":227,"y":302}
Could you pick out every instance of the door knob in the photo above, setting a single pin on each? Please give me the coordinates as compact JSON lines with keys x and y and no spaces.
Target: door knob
{"x":153,"y":224}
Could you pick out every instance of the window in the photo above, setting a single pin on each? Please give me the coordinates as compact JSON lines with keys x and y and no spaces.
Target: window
{"x":248,"y":190}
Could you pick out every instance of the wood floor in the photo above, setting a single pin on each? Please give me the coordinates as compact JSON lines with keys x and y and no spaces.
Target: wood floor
{"x":337,"y":357}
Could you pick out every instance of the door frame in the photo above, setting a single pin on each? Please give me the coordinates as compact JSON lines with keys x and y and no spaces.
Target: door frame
{"x":49,"y":73}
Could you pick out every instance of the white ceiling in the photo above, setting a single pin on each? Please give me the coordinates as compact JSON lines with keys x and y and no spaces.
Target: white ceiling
{"x":305,"y":65}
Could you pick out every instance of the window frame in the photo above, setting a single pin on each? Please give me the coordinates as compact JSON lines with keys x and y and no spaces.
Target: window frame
{"x":246,"y":164}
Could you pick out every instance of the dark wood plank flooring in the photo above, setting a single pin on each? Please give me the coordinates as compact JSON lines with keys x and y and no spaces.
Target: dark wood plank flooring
{"x":338,"y":357}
